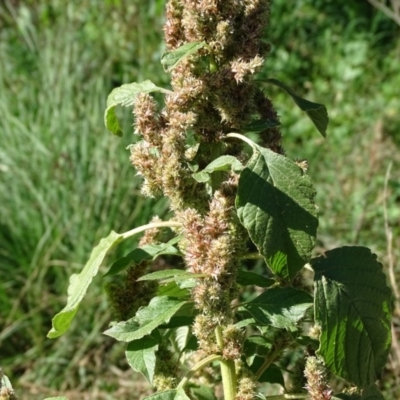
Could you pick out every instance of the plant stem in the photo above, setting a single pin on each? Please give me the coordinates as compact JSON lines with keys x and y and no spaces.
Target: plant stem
{"x":243,"y":138}
{"x":229,"y":379}
{"x":268,"y":361}
{"x":166,"y":224}
{"x":197,"y":367}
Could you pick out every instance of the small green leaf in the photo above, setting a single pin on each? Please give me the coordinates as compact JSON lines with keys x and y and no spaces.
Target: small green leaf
{"x":171,"y":59}
{"x":256,"y":346}
{"x":260,"y":125}
{"x":168,"y":395}
{"x":181,"y":337}
{"x":275,"y":203}
{"x":79,"y":283}
{"x":315,"y":111}
{"x":125,"y":96}
{"x":158,"y":312}
{"x":353,"y":308}
{"x":246,"y":278}
{"x":141,"y":356}
{"x":144,"y":253}
{"x":280,"y":308}
{"x":222,"y":163}
{"x":170,"y":274}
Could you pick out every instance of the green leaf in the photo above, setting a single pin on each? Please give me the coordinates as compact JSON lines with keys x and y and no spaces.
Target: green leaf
{"x":168,"y":395}
{"x":158,"y":312}
{"x":171,"y":59}
{"x":79,"y":283}
{"x":203,"y":393}
{"x":134,"y":257}
{"x":145,"y":253}
{"x":182,"y":336}
{"x":372,"y":393}
{"x":222,"y":163}
{"x":141,"y":356}
{"x":125,"y":96}
{"x":315,"y":111}
{"x":275,"y":203}
{"x":281,"y":307}
{"x":246,"y":278}
{"x":256,"y":346}
{"x":353,"y":308}
{"x":170,"y":274}
{"x":260,"y":125}
{"x":173,"y":290}
{"x":271,"y":375}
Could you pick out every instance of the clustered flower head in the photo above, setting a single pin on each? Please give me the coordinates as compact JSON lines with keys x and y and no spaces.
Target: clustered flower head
{"x":212,"y":94}
{"x":317,"y":385}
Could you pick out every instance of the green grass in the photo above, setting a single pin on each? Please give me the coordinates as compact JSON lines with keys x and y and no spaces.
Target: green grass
{"x":65,"y":182}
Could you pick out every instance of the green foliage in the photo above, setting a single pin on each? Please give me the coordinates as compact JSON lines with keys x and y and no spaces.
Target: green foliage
{"x":316,"y":112}
{"x":79,"y":284}
{"x":349,"y":56}
{"x":171,"y":59}
{"x":281,"y":308}
{"x":353,"y":308}
{"x":125,"y":96}
{"x":275,"y":203}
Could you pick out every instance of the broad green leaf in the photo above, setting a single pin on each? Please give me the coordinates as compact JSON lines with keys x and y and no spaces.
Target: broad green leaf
{"x":246,"y":278}
{"x":173,"y":290}
{"x":177,"y":322}
{"x":353,"y":308}
{"x":275,"y":203}
{"x":144,"y":253}
{"x":315,"y":111}
{"x":79,"y":283}
{"x":222,"y":163}
{"x":171,"y":59}
{"x":260,"y":125}
{"x":125,"y":96}
{"x":141,"y":356}
{"x":281,"y":307}
{"x":158,"y":312}
{"x":183,"y":317}
{"x":170,"y":274}
{"x":168,"y":395}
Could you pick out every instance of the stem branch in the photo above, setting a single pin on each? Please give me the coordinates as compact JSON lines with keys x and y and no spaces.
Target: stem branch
{"x":166,"y":224}
{"x":197,"y":367}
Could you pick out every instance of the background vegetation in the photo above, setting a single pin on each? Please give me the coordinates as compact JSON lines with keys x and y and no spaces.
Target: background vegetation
{"x":65,"y":182}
